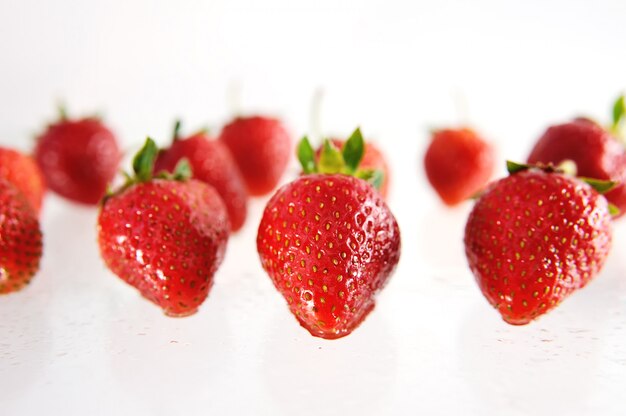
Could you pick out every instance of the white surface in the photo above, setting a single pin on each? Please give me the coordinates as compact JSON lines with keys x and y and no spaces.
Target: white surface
{"x":79,"y":341}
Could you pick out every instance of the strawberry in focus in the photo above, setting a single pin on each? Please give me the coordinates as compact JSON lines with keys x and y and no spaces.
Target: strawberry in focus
{"x":22,"y":171}
{"x":594,"y":149}
{"x":373,"y":159}
{"x":164,"y":235}
{"x":211,"y":162}
{"x":78,"y":158}
{"x":328,"y":241}
{"x":458,"y":164}
{"x":261,"y":148}
{"x":21,"y":244}
{"x":533,"y":238}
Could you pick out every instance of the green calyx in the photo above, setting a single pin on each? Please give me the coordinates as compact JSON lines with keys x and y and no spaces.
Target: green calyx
{"x":332,"y":160}
{"x":567,"y":167}
{"x":143,"y":166}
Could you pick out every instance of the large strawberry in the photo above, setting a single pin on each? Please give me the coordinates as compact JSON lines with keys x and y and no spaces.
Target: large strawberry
{"x":373,"y":159}
{"x":78,"y":158}
{"x":166,"y":236}
{"x":211,"y":162}
{"x":20,"y":239}
{"x":534,"y":237}
{"x":22,"y":171}
{"x":328,"y":241}
{"x":458,"y":164}
{"x":593,"y":148}
{"x":261,"y":147}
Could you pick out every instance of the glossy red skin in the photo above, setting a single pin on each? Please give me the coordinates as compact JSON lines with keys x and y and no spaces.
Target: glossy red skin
{"x":22,"y":171}
{"x":167,"y":239}
{"x":212,"y":163}
{"x":373,"y":159}
{"x":596,"y":154}
{"x":458,"y":164}
{"x":261,"y":147}
{"x":533,"y":238}
{"x":21,"y":244}
{"x":78,"y":158}
{"x":329,"y":243}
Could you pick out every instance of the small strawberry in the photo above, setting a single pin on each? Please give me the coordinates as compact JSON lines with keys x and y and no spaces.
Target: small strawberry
{"x":22,"y":171}
{"x":533,"y":238}
{"x":373,"y":159}
{"x":328,"y":241}
{"x":458,"y":164}
{"x":166,"y":236}
{"x":261,"y":147}
{"x":211,"y":162}
{"x":20,"y":239}
{"x":78,"y":158}
{"x":593,"y":148}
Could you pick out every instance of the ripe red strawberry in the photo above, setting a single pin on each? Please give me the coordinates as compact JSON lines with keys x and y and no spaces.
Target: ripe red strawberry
{"x":594,"y":149}
{"x":329,"y":242}
{"x":458,"y":164}
{"x":373,"y":159}
{"x":211,"y":162}
{"x":22,"y":171}
{"x":78,"y":158}
{"x":534,"y":237}
{"x":20,"y":239}
{"x":261,"y":147}
{"x":164,"y":236}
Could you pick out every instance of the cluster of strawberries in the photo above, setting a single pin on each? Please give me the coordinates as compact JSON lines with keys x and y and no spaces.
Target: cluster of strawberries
{"x":327,"y":239}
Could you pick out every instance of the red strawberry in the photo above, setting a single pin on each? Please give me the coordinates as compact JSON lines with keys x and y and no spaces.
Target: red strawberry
{"x":329,"y":242}
{"x":261,"y":147}
{"x":22,"y":171}
{"x":211,"y":162}
{"x":458,"y":164}
{"x":373,"y":159}
{"x":20,"y":239}
{"x":164,"y":236}
{"x":78,"y":158}
{"x":533,"y":238}
{"x":595,"y":151}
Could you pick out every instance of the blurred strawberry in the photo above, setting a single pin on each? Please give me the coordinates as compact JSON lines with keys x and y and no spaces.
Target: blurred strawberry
{"x":22,"y":171}
{"x":261,"y":147}
{"x":78,"y":158}
{"x":458,"y":164}
{"x":594,"y":149}
{"x":211,"y":162}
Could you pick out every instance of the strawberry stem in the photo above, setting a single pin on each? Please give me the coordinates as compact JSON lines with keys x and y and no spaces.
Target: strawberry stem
{"x":619,"y":111}
{"x":62,"y":111}
{"x":176,"y":131}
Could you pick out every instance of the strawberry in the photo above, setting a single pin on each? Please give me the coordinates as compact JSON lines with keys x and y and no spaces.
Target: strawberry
{"x":593,"y":148}
{"x":165,"y":235}
{"x":22,"y":171}
{"x":261,"y":147}
{"x":20,"y":239}
{"x":373,"y":159}
{"x":78,"y":158}
{"x":328,"y":241}
{"x":458,"y":164}
{"x":211,"y":162}
{"x":533,"y":238}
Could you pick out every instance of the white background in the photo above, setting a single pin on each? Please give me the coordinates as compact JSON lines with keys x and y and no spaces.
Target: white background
{"x":80,"y":342}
